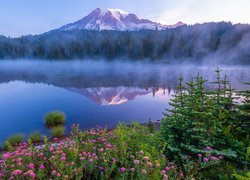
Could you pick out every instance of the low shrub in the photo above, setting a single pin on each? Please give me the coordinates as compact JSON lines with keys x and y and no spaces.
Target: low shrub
{"x":54,"y":119}
{"x":57,"y":131}
{"x":35,"y":136}
{"x":14,"y":140}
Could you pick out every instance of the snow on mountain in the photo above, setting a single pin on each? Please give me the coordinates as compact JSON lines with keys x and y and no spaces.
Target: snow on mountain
{"x":115,"y":19}
{"x":110,"y":95}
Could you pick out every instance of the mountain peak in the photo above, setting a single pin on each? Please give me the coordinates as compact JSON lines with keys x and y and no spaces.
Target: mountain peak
{"x":115,"y":19}
{"x":113,"y":11}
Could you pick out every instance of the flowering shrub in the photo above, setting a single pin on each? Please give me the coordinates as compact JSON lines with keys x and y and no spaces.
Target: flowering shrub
{"x":123,"y":153}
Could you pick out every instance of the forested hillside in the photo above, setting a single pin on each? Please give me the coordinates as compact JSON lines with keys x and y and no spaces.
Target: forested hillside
{"x":201,"y":43}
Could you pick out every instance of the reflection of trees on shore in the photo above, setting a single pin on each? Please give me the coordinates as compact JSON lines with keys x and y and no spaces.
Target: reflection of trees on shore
{"x":100,"y":74}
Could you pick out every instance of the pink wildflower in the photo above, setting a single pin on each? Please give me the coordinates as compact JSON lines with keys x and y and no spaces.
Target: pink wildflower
{"x":63,"y":158}
{"x":145,"y":158}
{"x":32,"y":174}
{"x":213,"y":158}
{"x":132,"y":169}
{"x":123,"y":169}
{"x":136,"y":162}
{"x":41,"y":167}
{"x":53,"y":172}
{"x":16,"y":172}
{"x":208,"y":148}
{"x":31,"y":166}
{"x":205,"y":159}
{"x":199,"y":155}
{"x":163,"y":172}
{"x":19,"y":164}
{"x":149,"y":164}
{"x":165,"y":177}
{"x":221,"y":157}
{"x":167,"y":168}
{"x":143,"y":171}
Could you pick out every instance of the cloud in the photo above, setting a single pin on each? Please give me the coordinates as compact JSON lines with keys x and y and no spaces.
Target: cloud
{"x":198,"y":11}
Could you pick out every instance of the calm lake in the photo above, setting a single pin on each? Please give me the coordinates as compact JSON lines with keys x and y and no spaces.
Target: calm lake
{"x":92,"y":93}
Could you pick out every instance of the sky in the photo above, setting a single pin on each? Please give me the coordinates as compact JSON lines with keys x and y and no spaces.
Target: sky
{"x":22,"y":17}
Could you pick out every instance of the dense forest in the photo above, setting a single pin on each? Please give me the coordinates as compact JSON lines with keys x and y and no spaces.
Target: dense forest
{"x":201,"y":43}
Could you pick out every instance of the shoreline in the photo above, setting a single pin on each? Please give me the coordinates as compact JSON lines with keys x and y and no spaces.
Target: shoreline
{"x":37,"y":144}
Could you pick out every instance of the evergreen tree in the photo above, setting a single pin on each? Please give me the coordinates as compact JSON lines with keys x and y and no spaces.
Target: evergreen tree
{"x":193,"y":122}
{"x":244,"y":116}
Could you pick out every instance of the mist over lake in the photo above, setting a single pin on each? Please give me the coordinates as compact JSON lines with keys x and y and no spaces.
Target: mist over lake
{"x":93,"y":93}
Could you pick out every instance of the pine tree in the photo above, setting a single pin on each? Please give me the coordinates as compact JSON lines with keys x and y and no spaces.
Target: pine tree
{"x":196,"y":120}
{"x":244,"y":116}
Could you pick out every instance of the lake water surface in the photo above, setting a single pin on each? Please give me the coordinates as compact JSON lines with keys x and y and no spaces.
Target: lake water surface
{"x":92,"y":93}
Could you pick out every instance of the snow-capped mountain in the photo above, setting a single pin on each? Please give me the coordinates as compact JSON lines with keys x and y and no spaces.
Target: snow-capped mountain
{"x":115,"y":19}
{"x":110,"y":95}
{"x":116,"y":95}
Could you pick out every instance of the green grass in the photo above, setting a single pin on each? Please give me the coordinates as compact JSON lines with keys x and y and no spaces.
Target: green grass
{"x":35,"y":136}
{"x":14,"y":140}
{"x":57,"y":131}
{"x":55,"y":118}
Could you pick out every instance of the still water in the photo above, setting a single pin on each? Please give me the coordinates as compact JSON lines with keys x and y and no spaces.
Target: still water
{"x":92,"y":93}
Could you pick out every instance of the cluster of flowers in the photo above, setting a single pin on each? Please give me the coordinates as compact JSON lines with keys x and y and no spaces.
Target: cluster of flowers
{"x":94,"y":154}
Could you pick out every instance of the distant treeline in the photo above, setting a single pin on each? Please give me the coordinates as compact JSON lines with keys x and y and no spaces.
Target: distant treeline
{"x":209,"y":42}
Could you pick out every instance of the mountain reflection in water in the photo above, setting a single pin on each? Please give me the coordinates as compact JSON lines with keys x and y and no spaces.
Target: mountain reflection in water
{"x":92,"y":93}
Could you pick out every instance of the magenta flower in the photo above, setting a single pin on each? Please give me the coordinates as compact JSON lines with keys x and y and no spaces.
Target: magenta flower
{"x":53,"y":172}
{"x":41,"y":167}
{"x":136,"y":161}
{"x":32,"y":174}
{"x":163,"y":172}
{"x":31,"y":166}
{"x":123,"y":169}
{"x":7,"y":155}
{"x":205,"y":159}
{"x":16,"y":172}
{"x":221,"y":157}
{"x":213,"y":158}
{"x":167,"y":169}
{"x":132,"y":169}
{"x":58,"y":175}
{"x":208,"y":148}
{"x":91,"y":160}
{"x":199,"y":155}
{"x":41,"y":154}
{"x":63,"y":158}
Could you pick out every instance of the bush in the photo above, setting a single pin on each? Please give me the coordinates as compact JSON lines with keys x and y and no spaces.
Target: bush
{"x":57,"y":131}
{"x":14,"y":140}
{"x":54,"y":119}
{"x":35,"y":136}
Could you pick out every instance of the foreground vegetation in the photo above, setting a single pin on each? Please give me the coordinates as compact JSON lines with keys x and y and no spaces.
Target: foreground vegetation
{"x":205,"y":135}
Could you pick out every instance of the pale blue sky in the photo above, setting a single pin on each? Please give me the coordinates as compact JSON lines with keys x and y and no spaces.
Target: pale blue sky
{"x":21,"y":17}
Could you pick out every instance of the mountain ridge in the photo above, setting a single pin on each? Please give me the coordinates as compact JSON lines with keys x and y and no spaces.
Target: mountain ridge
{"x":115,"y":19}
